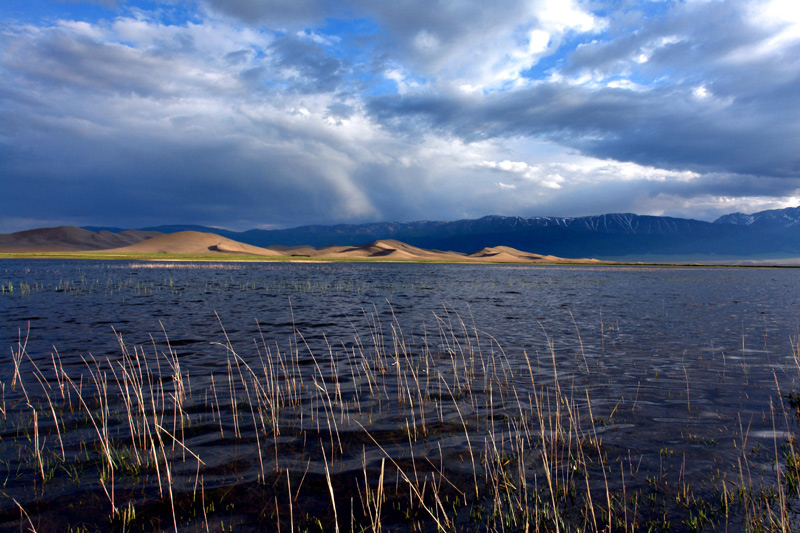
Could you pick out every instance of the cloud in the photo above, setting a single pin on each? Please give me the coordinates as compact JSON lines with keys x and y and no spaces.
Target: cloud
{"x":663,"y":127}
{"x":248,"y":112}
{"x":468,"y":43}
{"x":107,"y":129}
{"x":306,"y":65}
{"x":295,"y":13}
{"x":522,"y":170}
{"x":104,"y":3}
{"x":667,"y":95}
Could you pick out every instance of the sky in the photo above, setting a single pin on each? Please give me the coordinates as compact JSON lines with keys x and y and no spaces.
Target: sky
{"x":246,"y":114}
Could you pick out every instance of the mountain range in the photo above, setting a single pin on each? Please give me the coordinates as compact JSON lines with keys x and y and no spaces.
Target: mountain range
{"x":773,"y":233}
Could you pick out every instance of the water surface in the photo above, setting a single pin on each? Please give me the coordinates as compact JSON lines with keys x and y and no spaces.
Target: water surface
{"x":674,"y":370}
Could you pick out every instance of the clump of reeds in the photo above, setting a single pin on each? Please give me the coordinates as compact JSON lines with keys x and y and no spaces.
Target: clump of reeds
{"x":441,"y":430}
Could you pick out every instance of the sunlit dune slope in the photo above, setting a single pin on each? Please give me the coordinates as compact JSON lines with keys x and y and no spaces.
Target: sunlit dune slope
{"x":506,"y":254}
{"x":301,"y":250}
{"x":384,"y":249}
{"x":195,"y":243}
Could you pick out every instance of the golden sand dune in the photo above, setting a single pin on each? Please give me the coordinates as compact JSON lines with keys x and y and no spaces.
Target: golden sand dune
{"x":506,"y":254}
{"x":194,"y":243}
{"x":396,"y":250}
{"x":69,"y":239}
{"x":383,"y":249}
{"x":293,"y":250}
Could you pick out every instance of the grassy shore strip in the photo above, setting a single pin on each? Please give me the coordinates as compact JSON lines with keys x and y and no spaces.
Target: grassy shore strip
{"x":105,"y":256}
{"x":100,"y":255}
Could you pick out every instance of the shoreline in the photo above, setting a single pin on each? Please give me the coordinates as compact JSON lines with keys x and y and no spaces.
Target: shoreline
{"x":246,"y":258}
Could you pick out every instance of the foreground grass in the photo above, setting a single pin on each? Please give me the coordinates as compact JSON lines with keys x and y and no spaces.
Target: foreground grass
{"x":436,"y":432}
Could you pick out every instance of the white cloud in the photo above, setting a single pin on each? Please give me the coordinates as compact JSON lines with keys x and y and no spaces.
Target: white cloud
{"x":710,"y":206}
{"x":325,"y":40}
{"x":538,"y":41}
{"x":527,"y":172}
{"x":572,"y":172}
{"x":782,"y":18}
{"x":566,"y":15}
{"x":627,"y":85}
{"x":404,"y":82}
{"x":701,"y":92}
{"x":83,"y":29}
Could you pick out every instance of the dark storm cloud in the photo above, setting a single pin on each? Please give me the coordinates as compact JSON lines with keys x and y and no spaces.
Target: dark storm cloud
{"x":296,"y":12}
{"x":340,"y":111}
{"x":59,"y":60}
{"x":129,"y":179}
{"x":685,"y":41}
{"x":238,"y":57}
{"x":103,"y":131}
{"x":667,"y":127}
{"x":726,"y":185}
{"x":309,"y":67}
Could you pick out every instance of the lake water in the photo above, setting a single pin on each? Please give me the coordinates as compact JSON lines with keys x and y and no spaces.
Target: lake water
{"x":482,"y":392}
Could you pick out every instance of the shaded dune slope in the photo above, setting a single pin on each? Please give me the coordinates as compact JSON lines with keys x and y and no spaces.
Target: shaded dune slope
{"x":70,"y":238}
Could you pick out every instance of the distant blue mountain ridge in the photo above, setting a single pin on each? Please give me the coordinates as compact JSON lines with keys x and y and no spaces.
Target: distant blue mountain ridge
{"x":774,"y":233}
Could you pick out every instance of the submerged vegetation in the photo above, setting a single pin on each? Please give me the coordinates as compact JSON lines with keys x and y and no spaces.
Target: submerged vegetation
{"x":436,"y":431}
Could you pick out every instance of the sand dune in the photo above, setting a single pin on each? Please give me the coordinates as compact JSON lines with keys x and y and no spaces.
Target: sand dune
{"x":69,"y":239}
{"x":193,"y":242}
{"x":293,"y":250}
{"x":396,"y":250}
{"x":384,"y":249}
{"x":506,"y":254}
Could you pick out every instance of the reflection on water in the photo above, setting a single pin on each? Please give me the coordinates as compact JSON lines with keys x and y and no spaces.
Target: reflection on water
{"x":357,"y":369}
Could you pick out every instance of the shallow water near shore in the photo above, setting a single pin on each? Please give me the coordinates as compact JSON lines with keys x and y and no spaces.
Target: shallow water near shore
{"x":452,"y":393}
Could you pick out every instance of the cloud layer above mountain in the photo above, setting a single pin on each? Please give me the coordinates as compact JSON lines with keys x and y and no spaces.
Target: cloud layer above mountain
{"x":265,"y":113}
